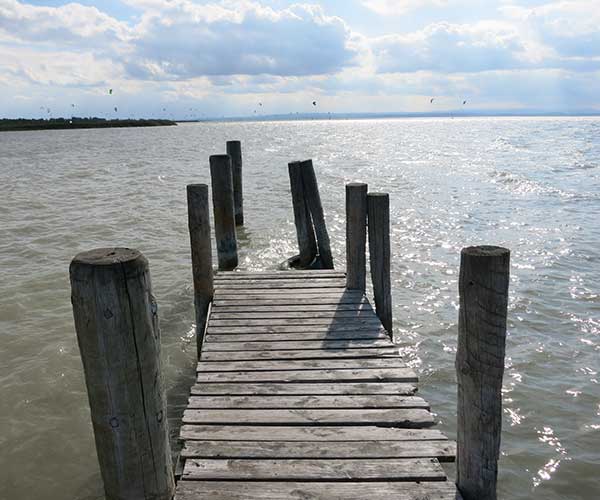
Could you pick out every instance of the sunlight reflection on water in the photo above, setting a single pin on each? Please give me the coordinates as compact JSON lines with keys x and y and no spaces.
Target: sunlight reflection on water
{"x":532,"y":185}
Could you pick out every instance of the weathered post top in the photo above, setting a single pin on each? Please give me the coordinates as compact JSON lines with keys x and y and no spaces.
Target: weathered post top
{"x":356,"y":235}
{"x":378,"y":214}
{"x":201,"y":250}
{"x":483,"y":290}
{"x":234,"y":150}
{"x":119,"y":339}
{"x":224,"y":211}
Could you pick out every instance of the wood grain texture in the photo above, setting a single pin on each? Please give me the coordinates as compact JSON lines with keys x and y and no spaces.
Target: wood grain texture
{"x":306,"y":402}
{"x":315,"y":207}
{"x":261,"y":490}
{"x":119,"y":340}
{"x":378,"y":208}
{"x":409,"y":469}
{"x":209,"y":356}
{"x":353,"y":375}
{"x":397,"y":418}
{"x":224,"y":212}
{"x":313,"y":364}
{"x":330,"y":433}
{"x":234,"y":150}
{"x":201,"y":250}
{"x":309,"y":344}
{"x":305,"y":388}
{"x":305,"y":232}
{"x":356,"y":235}
{"x":444,"y":451}
{"x":483,"y":291}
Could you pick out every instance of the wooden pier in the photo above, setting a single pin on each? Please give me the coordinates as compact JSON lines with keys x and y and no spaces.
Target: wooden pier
{"x":300,"y":391}
{"x":301,"y":394}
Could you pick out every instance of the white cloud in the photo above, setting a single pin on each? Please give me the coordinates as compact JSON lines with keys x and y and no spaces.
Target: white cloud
{"x":446,"y":47}
{"x":182,"y":39}
{"x":71,"y":24}
{"x":399,"y":7}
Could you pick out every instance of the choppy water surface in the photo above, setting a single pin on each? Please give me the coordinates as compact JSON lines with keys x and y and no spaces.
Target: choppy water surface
{"x":530,"y":184}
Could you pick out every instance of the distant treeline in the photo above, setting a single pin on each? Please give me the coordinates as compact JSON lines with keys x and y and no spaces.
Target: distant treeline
{"x":75,"y":122}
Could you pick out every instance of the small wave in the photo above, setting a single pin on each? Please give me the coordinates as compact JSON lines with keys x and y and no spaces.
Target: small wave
{"x":522,"y":185}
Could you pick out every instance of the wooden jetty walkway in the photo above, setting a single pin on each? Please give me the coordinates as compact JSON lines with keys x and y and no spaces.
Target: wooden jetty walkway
{"x":301,"y":394}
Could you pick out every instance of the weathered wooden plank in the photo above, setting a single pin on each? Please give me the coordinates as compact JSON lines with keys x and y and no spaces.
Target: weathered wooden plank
{"x":444,"y":451}
{"x":280,"y":346}
{"x":209,"y":356}
{"x":325,"y":299}
{"x":282,"y":292}
{"x":321,"y":434}
{"x":413,"y":418}
{"x":226,"y":336}
{"x":339,"y":388}
{"x":250,"y":285}
{"x":374,"y":322}
{"x":296,"y":328}
{"x":307,"y":309}
{"x":370,"y":375}
{"x":360,"y":315}
{"x":261,"y":490}
{"x":300,"y":273}
{"x":302,"y":364}
{"x":252,"y":280}
{"x":306,"y":402}
{"x":408,"y":469}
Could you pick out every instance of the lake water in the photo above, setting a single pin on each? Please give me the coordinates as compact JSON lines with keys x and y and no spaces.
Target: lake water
{"x":532,"y":185}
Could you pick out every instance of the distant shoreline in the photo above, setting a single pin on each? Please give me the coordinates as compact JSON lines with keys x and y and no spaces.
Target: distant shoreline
{"x":22,"y":124}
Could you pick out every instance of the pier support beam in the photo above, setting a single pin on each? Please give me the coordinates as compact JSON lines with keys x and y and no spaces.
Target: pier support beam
{"x":200,"y":243}
{"x":315,"y":207}
{"x":304,"y":229}
{"x":483,"y":289}
{"x":224,"y":211}
{"x":378,"y":209}
{"x":356,"y":235}
{"x":234,"y":150}
{"x":119,"y":339}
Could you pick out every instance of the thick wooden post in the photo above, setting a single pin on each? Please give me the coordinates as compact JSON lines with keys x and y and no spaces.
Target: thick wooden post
{"x":202,"y":271}
{"x":234,"y":150}
{"x":223,"y":206}
{"x":304,"y":228}
{"x":356,"y":235}
{"x":378,"y":209}
{"x":119,"y":340}
{"x":313,"y":200}
{"x":483,"y":289}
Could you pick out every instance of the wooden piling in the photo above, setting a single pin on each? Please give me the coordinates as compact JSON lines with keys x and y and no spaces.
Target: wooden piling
{"x":119,"y":340}
{"x":483,"y":289}
{"x":313,"y":200}
{"x":234,"y":150}
{"x":200,"y":243}
{"x":378,"y":210}
{"x":356,"y":235}
{"x":224,"y":211}
{"x":304,"y":228}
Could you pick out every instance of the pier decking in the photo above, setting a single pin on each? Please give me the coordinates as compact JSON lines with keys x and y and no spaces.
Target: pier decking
{"x":301,"y":394}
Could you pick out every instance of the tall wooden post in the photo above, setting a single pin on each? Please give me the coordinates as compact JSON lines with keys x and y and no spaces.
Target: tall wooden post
{"x":313,"y":200}
{"x":483,"y":289}
{"x":119,"y":340}
{"x":356,"y":235}
{"x":378,"y":209}
{"x":234,"y":150}
{"x":304,"y":228}
{"x":202,"y":271}
{"x":223,"y":206}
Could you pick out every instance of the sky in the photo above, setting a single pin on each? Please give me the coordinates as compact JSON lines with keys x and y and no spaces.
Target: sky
{"x":196,"y":59}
